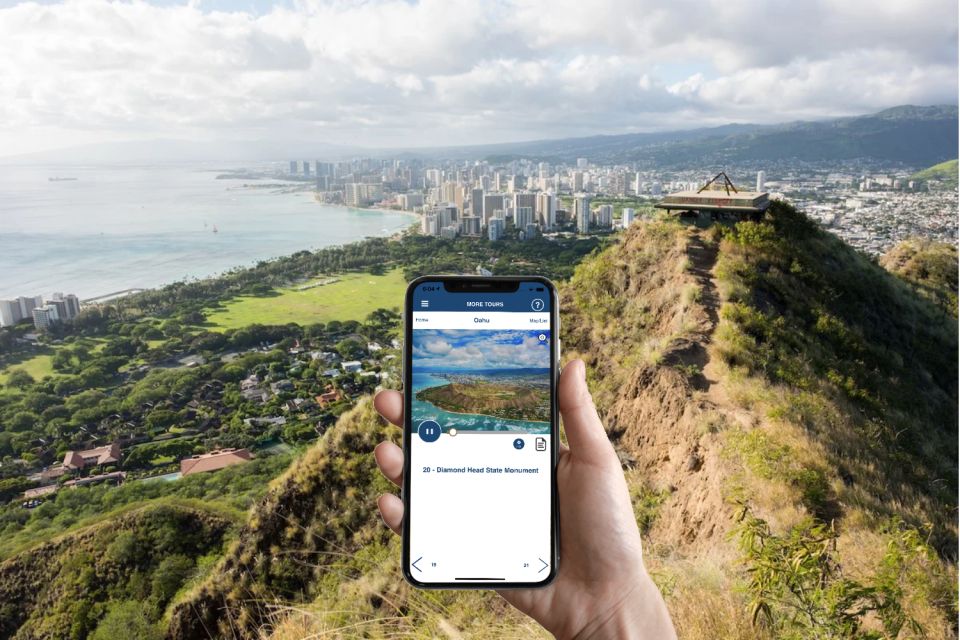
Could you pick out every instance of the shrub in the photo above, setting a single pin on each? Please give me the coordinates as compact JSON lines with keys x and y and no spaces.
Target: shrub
{"x":797,"y":588}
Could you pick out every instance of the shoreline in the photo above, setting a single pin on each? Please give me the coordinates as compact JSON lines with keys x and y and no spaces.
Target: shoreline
{"x":482,"y":415}
{"x":116,"y":294}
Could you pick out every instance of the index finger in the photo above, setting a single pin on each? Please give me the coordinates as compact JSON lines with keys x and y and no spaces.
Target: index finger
{"x":389,"y":404}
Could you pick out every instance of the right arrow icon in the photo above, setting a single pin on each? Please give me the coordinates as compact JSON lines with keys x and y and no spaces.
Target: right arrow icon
{"x":545,"y":565}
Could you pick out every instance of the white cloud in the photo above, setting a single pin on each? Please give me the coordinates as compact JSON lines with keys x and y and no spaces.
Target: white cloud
{"x":456,"y":71}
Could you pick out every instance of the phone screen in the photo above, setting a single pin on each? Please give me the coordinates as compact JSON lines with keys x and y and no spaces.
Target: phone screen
{"x":481,"y":436}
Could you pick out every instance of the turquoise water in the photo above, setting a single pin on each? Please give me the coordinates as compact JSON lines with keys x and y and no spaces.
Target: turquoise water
{"x":422,"y":410}
{"x":167,"y":477}
{"x":143,"y":226}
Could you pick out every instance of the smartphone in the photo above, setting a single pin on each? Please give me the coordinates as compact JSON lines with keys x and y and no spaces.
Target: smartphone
{"x":481,"y":432}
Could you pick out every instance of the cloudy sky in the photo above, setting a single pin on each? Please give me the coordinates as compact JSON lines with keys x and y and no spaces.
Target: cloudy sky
{"x":397,"y":73}
{"x":463,"y":350}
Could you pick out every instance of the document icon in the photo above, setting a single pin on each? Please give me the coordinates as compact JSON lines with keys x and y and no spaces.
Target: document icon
{"x":541,"y":444}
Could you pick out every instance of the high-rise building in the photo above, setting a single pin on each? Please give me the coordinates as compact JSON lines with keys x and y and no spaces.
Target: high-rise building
{"x":359,"y":194}
{"x":476,"y":203}
{"x":605,"y":216}
{"x":627,"y":219}
{"x":306,"y":168}
{"x":447,"y":215}
{"x":470,"y":225}
{"x":491,"y":202}
{"x":60,"y":306}
{"x":410,"y":201}
{"x":448,"y":233}
{"x":429,"y":225}
{"x":581,"y":212}
{"x":638,"y":183}
{"x":522,"y":216}
{"x":45,"y":316}
{"x":28,"y":304}
{"x":293,"y":167}
{"x":9,"y":313}
{"x":581,"y":163}
{"x":68,"y":306}
{"x":761,"y":181}
{"x":495,"y":229}
{"x":577,"y":182}
{"x":530,"y":231}
{"x":656,"y":189}
{"x":547,"y":210}
{"x":524,"y":199}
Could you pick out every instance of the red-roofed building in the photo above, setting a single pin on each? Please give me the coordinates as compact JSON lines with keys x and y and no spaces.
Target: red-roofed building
{"x":108,"y":454}
{"x":329,"y":395}
{"x":214,"y":461}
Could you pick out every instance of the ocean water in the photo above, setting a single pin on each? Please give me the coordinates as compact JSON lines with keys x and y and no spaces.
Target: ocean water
{"x":422,"y":410}
{"x":117,"y":228}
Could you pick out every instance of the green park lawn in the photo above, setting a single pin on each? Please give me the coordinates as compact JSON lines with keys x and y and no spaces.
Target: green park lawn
{"x":352,"y":297}
{"x":37,"y":366}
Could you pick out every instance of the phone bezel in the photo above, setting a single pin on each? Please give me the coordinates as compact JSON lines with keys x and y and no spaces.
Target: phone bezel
{"x":554,"y":431}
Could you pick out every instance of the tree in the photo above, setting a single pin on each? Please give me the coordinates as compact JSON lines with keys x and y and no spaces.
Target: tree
{"x":12,"y":487}
{"x":168,"y":576}
{"x":23,"y":421}
{"x":127,"y":619}
{"x":19,"y":379}
{"x":350,"y":348}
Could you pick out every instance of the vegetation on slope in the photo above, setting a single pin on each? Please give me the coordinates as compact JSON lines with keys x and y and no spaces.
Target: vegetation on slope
{"x":69,"y":586}
{"x":854,"y":379}
{"x":769,"y":366}
{"x":235,"y":488}
{"x":944,"y":173}
{"x":770,"y":393}
{"x":861,"y":363}
{"x":930,"y":266}
{"x":315,"y":555}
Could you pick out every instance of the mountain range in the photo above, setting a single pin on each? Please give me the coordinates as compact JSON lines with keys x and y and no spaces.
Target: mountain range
{"x":910,"y":135}
{"x":913,"y":136}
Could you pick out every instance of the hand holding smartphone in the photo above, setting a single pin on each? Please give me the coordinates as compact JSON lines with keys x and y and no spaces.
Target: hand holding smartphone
{"x":480,"y":432}
{"x":485,"y":526}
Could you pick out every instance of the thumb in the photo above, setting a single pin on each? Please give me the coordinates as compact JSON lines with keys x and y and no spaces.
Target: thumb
{"x":585,"y":433}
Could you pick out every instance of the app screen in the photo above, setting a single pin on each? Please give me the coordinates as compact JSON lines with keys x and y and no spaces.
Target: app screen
{"x":480,"y":420}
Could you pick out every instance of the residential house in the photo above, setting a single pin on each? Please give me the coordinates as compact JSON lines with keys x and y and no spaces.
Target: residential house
{"x":351,"y":366}
{"x":330,"y":394}
{"x":108,"y":454}
{"x":214,"y":461}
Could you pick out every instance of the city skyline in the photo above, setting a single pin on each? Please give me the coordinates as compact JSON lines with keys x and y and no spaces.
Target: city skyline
{"x":397,"y":74}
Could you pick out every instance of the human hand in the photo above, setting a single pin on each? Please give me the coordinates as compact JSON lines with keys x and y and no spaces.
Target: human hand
{"x":602,"y":589}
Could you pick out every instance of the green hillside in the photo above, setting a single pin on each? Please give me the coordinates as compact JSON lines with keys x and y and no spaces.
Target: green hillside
{"x":785,"y":410}
{"x":931,"y":267}
{"x":945,"y":173}
{"x":118,"y":574}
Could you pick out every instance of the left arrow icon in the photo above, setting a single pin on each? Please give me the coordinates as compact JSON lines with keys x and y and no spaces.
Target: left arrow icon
{"x":414,"y":564}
